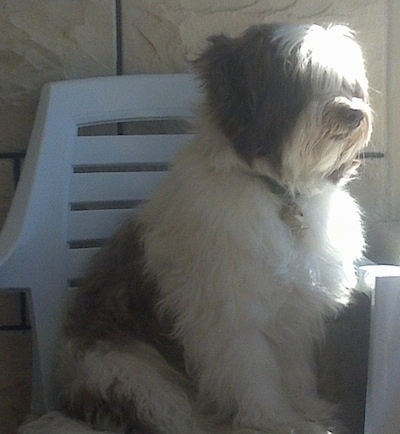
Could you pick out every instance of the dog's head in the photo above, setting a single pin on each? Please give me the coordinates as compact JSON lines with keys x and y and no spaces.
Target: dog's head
{"x":292,"y":100}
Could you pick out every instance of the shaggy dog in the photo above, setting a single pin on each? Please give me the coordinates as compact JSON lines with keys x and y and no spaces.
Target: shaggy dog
{"x":206,"y":306}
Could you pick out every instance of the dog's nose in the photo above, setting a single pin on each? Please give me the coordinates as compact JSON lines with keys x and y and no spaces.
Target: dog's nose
{"x":352,"y":117}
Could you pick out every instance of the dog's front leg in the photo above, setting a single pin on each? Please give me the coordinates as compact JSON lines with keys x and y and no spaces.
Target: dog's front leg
{"x":240,"y":376}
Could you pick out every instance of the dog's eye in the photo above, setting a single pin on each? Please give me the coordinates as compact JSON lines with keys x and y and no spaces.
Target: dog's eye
{"x":350,"y":117}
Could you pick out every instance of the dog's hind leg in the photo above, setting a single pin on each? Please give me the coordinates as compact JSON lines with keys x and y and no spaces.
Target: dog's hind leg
{"x":131,"y":387}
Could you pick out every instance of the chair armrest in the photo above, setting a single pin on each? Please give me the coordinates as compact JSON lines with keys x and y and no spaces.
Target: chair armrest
{"x":383,"y":389}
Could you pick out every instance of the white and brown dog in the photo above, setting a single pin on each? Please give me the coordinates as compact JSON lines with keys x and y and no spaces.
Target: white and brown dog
{"x":207,"y":306}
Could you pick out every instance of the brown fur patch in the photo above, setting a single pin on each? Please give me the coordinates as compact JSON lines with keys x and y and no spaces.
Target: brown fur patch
{"x":253,"y":94}
{"x":117,"y":300}
{"x":102,"y":414}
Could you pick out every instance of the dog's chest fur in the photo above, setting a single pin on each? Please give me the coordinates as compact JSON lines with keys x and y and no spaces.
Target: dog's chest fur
{"x":233,"y":253}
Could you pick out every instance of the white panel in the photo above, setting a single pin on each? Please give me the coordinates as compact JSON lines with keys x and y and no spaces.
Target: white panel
{"x":127,"y":149}
{"x":92,"y":187}
{"x":392,"y":195}
{"x":96,"y":224}
{"x":383,"y":391}
{"x":123,"y":98}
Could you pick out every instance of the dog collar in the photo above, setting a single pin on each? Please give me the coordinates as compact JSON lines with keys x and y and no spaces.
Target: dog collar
{"x":274,"y":186}
{"x":290,"y":212}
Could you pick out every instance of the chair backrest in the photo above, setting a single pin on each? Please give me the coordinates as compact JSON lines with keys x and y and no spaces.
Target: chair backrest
{"x":79,"y":182}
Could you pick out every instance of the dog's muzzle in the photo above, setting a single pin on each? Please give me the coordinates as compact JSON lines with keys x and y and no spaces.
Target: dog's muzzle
{"x":347,"y":113}
{"x":351,"y":117}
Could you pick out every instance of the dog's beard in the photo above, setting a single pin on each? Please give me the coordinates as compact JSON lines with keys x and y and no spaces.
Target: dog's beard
{"x":325,"y":144}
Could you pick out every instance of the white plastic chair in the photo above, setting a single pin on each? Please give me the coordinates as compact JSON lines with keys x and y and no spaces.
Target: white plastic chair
{"x":74,"y":190}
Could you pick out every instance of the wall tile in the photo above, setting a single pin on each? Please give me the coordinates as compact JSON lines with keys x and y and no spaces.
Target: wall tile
{"x":162,"y":35}
{"x":47,"y":40}
{"x":9,"y":309}
{"x":10,"y":313}
{"x":6,"y":188}
{"x":15,"y":379}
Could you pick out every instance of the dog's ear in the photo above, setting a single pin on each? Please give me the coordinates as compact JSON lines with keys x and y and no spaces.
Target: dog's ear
{"x":221,"y":71}
{"x":248,"y":92}
{"x":212,"y":65}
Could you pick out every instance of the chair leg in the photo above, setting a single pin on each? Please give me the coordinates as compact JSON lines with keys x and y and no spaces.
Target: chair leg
{"x":46,"y":317}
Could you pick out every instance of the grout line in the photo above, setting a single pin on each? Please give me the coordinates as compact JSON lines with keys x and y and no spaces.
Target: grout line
{"x":23,"y":310}
{"x":372,"y":155}
{"x":15,"y":328}
{"x":119,"y":53}
{"x":16,"y":159}
{"x":12,"y":155}
{"x":118,"y":42}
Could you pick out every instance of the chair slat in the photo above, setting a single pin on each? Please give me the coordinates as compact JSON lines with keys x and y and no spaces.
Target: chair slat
{"x":106,"y":150}
{"x":95,"y":187}
{"x":95,"y":224}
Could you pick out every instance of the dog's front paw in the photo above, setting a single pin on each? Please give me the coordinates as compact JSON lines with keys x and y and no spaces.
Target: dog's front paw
{"x":307,"y":427}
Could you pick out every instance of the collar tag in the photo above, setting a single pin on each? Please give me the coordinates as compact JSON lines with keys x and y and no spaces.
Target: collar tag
{"x":291,"y":214}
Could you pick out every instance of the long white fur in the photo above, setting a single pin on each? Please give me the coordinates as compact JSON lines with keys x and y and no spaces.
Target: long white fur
{"x":331,"y":50}
{"x":145,"y":382}
{"x":241,"y":291}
